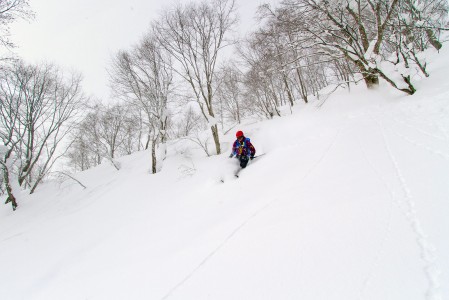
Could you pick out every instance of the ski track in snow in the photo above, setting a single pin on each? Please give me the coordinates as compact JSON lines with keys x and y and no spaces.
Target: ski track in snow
{"x":422,"y":145}
{"x":216,"y":250}
{"x":326,"y":152}
{"x":408,"y":207}
{"x":247,"y":220}
{"x":381,"y":251}
{"x":419,"y":144}
{"x":418,"y":129}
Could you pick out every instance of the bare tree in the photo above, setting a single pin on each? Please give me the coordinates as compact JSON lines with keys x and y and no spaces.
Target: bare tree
{"x":273,"y":41}
{"x":132,"y":132}
{"x":10,"y":184}
{"x":79,"y":155}
{"x":230,"y":92}
{"x":11,"y":133}
{"x":188,"y":122}
{"x":416,"y":27}
{"x":358,"y":31}
{"x":106,"y":133}
{"x":144,"y":78}
{"x":110,"y":125}
{"x":422,"y":22}
{"x":263,"y":81}
{"x":261,"y":93}
{"x":10,"y":10}
{"x":50,"y":102}
{"x":87,"y":149}
{"x":292,"y":56}
{"x":40,"y":105}
{"x":195,"y":35}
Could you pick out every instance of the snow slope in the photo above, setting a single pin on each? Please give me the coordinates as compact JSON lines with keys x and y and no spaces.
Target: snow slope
{"x":349,"y":202}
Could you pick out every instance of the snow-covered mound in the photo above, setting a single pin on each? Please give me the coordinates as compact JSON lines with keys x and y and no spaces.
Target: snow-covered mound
{"x":350,"y":201}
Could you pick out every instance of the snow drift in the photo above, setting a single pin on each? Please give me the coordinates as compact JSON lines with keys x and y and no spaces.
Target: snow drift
{"x":350,"y":201}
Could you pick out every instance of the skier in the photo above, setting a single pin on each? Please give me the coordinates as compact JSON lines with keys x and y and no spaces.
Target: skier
{"x":242,"y":149}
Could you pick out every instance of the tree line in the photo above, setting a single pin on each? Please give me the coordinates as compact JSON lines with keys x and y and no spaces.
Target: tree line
{"x":191,"y":72}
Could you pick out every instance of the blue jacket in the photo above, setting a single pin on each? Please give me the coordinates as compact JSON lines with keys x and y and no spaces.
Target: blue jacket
{"x":243,"y":149}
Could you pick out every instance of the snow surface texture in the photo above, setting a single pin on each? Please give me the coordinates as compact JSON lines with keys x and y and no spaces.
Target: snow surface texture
{"x":349,"y":202}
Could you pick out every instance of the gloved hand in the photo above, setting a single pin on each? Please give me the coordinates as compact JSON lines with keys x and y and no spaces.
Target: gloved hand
{"x":237,"y":156}
{"x":231,"y":156}
{"x":252,"y":157}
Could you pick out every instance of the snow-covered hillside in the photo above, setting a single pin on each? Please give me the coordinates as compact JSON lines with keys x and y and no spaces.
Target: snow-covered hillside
{"x":350,"y":201}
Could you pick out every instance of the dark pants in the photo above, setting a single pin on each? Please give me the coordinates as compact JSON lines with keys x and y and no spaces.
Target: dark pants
{"x":243,"y":161}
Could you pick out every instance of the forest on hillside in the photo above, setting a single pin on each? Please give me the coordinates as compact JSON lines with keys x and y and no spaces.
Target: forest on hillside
{"x":192,"y":77}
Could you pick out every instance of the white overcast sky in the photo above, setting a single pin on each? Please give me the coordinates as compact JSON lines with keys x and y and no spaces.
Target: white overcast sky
{"x":84,"y":34}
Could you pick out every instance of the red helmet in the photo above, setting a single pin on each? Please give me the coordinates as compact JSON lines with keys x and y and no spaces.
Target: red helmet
{"x":239,"y":133}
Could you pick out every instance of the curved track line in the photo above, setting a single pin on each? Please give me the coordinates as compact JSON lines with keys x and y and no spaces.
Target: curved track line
{"x":246,"y":221}
{"x":427,"y":250}
{"x":381,"y":252}
{"x":422,"y":145}
{"x":418,"y":129}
